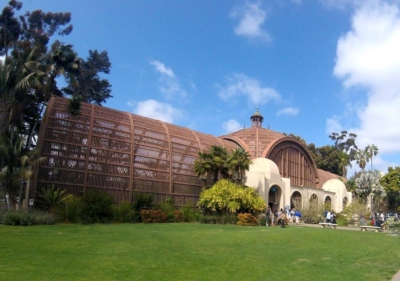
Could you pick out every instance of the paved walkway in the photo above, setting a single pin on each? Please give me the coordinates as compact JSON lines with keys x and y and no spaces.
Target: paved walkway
{"x":396,"y":277}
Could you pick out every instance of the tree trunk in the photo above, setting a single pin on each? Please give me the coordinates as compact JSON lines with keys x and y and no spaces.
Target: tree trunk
{"x":20,"y":199}
{"x":26,"y":203}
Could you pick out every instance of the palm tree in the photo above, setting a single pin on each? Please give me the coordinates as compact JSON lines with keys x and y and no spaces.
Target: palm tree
{"x":28,"y":163}
{"x":203,"y":166}
{"x":11,"y":149}
{"x":372,"y":151}
{"x":344,"y":162}
{"x":237,"y":164}
{"x":218,"y":157}
{"x":361,"y":157}
{"x":212,"y":163}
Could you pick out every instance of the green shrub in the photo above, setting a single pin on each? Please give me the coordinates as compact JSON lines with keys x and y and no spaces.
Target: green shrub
{"x":169,"y":209}
{"x":24,"y":218}
{"x":97,"y":207}
{"x":342,"y":220}
{"x":142,"y":201}
{"x":49,"y":198}
{"x":153,"y":216}
{"x":189,"y":214}
{"x":312,"y":213}
{"x":246,"y":219}
{"x":228,"y":218}
{"x":123,"y":212}
{"x":262,"y":221}
{"x":70,"y":210}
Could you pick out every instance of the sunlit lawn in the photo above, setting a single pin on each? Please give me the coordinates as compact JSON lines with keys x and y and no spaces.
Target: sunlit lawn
{"x":194,"y":252}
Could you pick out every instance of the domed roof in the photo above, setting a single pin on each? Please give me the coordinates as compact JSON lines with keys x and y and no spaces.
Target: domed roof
{"x":254,"y":139}
{"x":257,"y":113}
{"x":334,"y":185}
{"x":264,"y":165}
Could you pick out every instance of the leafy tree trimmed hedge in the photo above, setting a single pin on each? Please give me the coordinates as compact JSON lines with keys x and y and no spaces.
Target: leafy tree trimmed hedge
{"x":226,"y":196}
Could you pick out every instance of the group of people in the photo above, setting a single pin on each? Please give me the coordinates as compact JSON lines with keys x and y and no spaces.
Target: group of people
{"x":329,"y":216}
{"x":378,"y":219}
{"x":278,"y":217}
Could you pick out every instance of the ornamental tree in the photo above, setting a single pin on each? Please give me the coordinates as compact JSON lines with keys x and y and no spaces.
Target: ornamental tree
{"x":226,"y":196}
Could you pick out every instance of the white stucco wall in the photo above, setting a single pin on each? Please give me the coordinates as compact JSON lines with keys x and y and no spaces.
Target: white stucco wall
{"x":264,"y":174}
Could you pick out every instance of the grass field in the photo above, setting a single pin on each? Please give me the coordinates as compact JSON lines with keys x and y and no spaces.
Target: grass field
{"x":194,"y":252}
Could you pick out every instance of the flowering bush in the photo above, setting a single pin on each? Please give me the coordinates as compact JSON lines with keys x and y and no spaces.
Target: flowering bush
{"x":226,"y":196}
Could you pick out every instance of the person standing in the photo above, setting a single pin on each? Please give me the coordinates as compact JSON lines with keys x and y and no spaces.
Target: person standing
{"x":267,"y":216}
{"x":325,"y":215}
{"x":282,"y":218}
{"x":363,"y":221}
{"x":272,"y":219}
{"x":278,"y":215}
{"x":292,"y":216}
{"x":328,"y":217}
{"x":298,"y":216}
{"x":333,"y":217}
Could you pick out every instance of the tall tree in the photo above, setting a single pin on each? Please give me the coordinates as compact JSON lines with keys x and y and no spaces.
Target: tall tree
{"x":372,"y":150}
{"x":28,"y":162}
{"x":345,"y":142}
{"x":33,"y":64}
{"x":361,"y":157}
{"x":88,"y":84}
{"x":368,"y":184}
{"x":203,"y":167}
{"x":391,"y":184}
{"x":219,"y":155}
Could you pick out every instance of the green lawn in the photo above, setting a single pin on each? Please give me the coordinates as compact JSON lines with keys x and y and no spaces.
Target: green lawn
{"x":194,"y":252}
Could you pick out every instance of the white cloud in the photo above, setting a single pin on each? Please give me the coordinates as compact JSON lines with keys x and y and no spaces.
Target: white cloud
{"x":241,"y":85}
{"x":156,"y":110}
{"x":293,"y":111}
{"x":231,"y":126}
{"x":368,"y":56}
{"x":333,"y":125}
{"x":251,"y":20}
{"x":160,"y":67}
{"x":169,"y":83}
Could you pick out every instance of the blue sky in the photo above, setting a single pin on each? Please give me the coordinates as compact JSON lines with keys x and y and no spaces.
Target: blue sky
{"x":312,"y":67}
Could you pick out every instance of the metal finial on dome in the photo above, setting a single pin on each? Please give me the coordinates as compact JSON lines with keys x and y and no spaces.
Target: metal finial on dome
{"x":257,"y":119}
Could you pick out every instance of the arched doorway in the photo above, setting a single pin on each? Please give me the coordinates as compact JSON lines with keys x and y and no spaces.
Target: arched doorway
{"x":328,"y":203}
{"x":274,"y":198}
{"x":314,"y":200}
{"x":295,"y":200}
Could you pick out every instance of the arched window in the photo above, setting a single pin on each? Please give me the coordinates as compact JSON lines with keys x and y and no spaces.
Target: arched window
{"x":314,"y":199}
{"x":345,"y":202}
{"x":327,"y":203}
{"x":296,"y":201}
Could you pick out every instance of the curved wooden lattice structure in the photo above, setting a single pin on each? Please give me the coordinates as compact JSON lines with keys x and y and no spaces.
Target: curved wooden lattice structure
{"x":107,"y":150}
{"x":113,"y":151}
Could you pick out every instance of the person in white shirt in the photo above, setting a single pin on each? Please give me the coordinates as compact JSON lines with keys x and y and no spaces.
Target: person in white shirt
{"x":328,"y":217}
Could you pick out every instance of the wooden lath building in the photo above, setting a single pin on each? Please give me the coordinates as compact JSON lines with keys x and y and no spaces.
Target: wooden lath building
{"x":102,"y":149}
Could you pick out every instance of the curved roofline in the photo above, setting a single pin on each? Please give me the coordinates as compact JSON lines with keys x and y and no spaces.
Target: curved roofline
{"x":270,"y":147}
{"x":238,"y":141}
